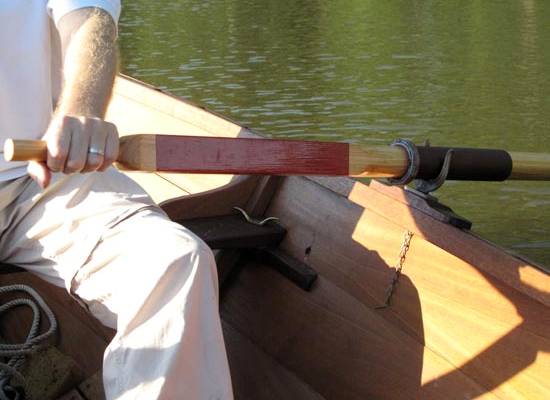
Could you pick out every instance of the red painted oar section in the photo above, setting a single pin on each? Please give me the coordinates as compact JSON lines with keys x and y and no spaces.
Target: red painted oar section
{"x":226,"y":155}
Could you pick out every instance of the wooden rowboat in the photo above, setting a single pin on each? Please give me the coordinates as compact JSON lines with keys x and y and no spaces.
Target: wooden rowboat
{"x":466,"y":319}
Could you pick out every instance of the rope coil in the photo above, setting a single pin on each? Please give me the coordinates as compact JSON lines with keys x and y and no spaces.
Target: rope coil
{"x":13,"y":355}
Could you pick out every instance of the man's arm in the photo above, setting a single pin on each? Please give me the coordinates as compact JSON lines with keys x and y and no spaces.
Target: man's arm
{"x":88,"y":38}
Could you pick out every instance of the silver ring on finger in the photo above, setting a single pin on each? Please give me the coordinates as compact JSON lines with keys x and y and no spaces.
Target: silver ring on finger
{"x":93,"y":150}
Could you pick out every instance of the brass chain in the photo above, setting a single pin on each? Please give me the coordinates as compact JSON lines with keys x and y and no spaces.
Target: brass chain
{"x":398,"y":268}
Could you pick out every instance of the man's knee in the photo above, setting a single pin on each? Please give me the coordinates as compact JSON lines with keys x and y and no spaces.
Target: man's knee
{"x":186,"y":254}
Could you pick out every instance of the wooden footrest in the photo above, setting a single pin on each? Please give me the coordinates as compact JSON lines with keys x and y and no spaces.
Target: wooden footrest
{"x":298,"y":272}
{"x":242,"y":240}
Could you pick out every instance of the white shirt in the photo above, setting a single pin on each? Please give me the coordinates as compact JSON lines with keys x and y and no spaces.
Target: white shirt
{"x":30,"y":67}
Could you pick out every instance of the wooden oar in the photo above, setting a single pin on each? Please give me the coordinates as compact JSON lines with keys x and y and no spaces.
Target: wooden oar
{"x":215,"y":155}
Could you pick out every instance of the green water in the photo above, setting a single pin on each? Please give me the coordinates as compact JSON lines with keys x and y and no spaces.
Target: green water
{"x":459,"y":72}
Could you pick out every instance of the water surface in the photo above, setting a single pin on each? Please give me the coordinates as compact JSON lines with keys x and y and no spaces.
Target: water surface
{"x":459,"y":73}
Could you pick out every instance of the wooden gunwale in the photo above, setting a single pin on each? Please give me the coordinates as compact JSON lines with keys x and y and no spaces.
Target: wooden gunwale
{"x":157,"y":99}
{"x":169,"y":190}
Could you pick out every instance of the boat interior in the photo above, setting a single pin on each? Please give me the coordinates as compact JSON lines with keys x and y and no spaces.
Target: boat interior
{"x":354,"y":291}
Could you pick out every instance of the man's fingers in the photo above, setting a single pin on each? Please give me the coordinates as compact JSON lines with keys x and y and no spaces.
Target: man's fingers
{"x":58,"y":137}
{"x":81,"y":130}
{"x":81,"y":144}
{"x":111,"y":147}
{"x":95,"y":152}
{"x":40,"y":173}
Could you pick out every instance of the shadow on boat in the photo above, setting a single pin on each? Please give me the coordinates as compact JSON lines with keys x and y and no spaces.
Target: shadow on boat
{"x":511,"y":354}
{"x":492,"y":330}
{"x":466,"y":319}
{"x":331,"y":342}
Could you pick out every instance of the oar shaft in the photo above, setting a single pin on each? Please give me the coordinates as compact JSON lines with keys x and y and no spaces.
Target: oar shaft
{"x":25,"y":150}
{"x":530,"y":166}
{"x":216,"y":155}
{"x":377,"y":161}
{"x":240,"y":156}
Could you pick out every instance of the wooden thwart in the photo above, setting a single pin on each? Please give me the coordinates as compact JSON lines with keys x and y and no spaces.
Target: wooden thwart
{"x":233,"y":232}
{"x":249,"y":241}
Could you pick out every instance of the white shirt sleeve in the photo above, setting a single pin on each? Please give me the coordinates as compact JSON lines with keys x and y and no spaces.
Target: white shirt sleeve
{"x":59,"y":8}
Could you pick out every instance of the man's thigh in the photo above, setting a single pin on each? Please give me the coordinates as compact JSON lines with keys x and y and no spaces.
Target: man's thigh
{"x":143,"y":261}
{"x":52,"y":232}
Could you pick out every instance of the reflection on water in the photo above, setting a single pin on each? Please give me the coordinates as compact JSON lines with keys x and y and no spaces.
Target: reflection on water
{"x":466,"y":73}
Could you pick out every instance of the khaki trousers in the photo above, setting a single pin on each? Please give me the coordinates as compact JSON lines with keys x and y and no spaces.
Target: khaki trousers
{"x":100,"y":236}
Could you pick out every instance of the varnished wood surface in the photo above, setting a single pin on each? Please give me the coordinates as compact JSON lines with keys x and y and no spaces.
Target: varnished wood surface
{"x":217,"y":201}
{"x":339,"y":346}
{"x":377,"y":161}
{"x":138,"y":108}
{"x":25,"y":150}
{"x":457,"y":328}
{"x":257,"y":376}
{"x":138,"y":152}
{"x":530,"y":166}
{"x":159,"y":189}
{"x":413,"y":213}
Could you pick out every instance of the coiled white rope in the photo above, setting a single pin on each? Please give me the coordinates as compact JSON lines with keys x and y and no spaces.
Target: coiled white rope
{"x":13,"y":355}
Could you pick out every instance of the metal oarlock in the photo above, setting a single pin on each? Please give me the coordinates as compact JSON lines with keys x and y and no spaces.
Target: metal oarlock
{"x":414,"y":162}
{"x":425,"y":186}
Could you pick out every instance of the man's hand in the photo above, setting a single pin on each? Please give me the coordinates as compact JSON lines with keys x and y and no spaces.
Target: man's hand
{"x":76,"y":145}
{"x":79,"y":140}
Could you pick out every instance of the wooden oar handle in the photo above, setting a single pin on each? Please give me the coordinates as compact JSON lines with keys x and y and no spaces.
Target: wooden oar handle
{"x":25,"y":150}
